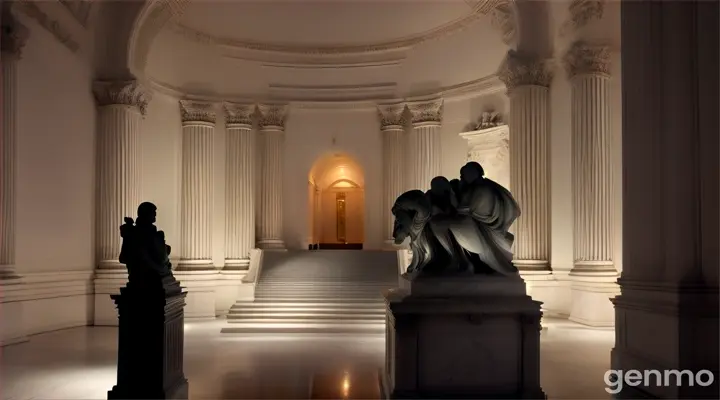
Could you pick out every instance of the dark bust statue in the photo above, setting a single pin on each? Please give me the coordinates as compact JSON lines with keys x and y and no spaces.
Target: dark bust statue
{"x":144,"y":250}
{"x":458,"y":226}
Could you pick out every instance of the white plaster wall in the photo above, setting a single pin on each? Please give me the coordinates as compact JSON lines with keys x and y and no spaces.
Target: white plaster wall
{"x":55,"y":158}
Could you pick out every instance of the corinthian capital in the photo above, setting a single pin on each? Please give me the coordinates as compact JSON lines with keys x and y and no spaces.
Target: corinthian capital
{"x":14,"y":35}
{"x":238,"y":114}
{"x":522,"y":70}
{"x":583,"y":58}
{"x":426,"y":111}
{"x":128,"y":93}
{"x":272,"y":116}
{"x":391,"y":116}
{"x":197,"y":111}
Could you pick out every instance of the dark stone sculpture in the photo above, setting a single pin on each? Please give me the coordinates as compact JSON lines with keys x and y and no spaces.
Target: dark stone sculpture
{"x":459,"y":226}
{"x":150,"y":308}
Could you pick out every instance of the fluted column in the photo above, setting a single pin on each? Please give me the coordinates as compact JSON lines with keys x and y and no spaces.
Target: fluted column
{"x":12,"y":41}
{"x":240,"y":185}
{"x":667,"y":314}
{"x":121,"y":106}
{"x":392,"y":129}
{"x":424,"y":151}
{"x":588,"y":69}
{"x":198,"y":128}
{"x":272,"y":136}
{"x":593,"y":274}
{"x":528,"y":84}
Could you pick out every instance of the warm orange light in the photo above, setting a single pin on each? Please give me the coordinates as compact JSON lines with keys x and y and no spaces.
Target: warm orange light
{"x":346,"y":386}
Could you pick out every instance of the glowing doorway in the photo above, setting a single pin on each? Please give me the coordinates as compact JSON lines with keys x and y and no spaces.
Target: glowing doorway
{"x":337,"y":203}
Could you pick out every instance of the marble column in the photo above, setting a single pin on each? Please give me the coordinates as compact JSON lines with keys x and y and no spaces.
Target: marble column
{"x":667,"y":314}
{"x":392,"y":129}
{"x":240,"y":185}
{"x":272,"y":137}
{"x":528,"y":84}
{"x":424,"y":153}
{"x":12,"y":41}
{"x":593,"y":275}
{"x":121,"y":106}
{"x":491,"y":148}
{"x":198,"y":129}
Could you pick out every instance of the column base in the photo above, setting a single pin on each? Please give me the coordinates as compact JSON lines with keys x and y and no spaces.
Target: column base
{"x":662,"y":327}
{"x":12,"y":328}
{"x":8,"y":274}
{"x":530,"y":266}
{"x":592,"y":289}
{"x":271,"y":244}
{"x":199,"y":279}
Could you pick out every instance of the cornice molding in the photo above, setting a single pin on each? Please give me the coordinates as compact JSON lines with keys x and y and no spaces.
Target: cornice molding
{"x":128,"y":93}
{"x":525,"y":70}
{"x":239,"y":113}
{"x":581,"y":13}
{"x":504,"y":19}
{"x":79,"y":9}
{"x":272,"y":116}
{"x":422,"y":112}
{"x":34,"y":11}
{"x":197,"y":111}
{"x":587,"y":59}
{"x":466,"y":90}
{"x":14,"y":35}
{"x":392,"y":116}
{"x":483,"y":7}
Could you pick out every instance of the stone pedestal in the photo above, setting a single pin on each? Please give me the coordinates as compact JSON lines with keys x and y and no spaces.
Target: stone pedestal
{"x":150,"y":343}
{"x":462,"y":337}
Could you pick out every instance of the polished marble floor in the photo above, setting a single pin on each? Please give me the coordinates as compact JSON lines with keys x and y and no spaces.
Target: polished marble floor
{"x":79,"y":363}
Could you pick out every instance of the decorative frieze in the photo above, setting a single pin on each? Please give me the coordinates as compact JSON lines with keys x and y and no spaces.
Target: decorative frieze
{"x":272,"y":115}
{"x":491,"y":148}
{"x":196,"y":111}
{"x":583,"y":58}
{"x":239,"y":114}
{"x":391,"y":116}
{"x":582,"y":12}
{"x":524,"y":70}
{"x":503,"y":19}
{"x":422,"y":112}
{"x":129,"y":93}
{"x":14,"y":34}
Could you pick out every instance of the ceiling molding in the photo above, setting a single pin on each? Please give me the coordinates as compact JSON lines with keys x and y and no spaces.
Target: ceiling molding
{"x":401,"y":44}
{"x":331,"y":65}
{"x":466,"y":90}
{"x":54,"y":17}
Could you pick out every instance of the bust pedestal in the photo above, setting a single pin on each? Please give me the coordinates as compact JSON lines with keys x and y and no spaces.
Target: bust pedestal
{"x":462,"y":337}
{"x":150,"y":342}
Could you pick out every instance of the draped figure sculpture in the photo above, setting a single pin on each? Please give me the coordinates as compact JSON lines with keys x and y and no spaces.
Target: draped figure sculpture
{"x":459,"y":226}
{"x":144,"y":251}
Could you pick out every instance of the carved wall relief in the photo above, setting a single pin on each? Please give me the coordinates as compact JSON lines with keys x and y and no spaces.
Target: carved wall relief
{"x":491,"y":148}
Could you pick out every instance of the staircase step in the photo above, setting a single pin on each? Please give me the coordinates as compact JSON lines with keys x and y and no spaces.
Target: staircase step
{"x":305,"y":327}
{"x":316,"y":300}
{"x":302,"y":316}
{"x":321,"y":307}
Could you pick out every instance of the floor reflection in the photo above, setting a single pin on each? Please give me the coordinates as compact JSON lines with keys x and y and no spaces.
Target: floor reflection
{"x":80,"y":364}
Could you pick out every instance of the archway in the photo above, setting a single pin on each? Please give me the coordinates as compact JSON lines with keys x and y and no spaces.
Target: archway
{"x":336,"y":199}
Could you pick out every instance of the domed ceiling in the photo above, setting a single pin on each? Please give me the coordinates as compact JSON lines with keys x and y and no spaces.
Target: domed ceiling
{"x":327,"y":50}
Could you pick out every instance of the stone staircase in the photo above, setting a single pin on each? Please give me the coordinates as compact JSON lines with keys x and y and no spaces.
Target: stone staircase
{"x":323,"y":291}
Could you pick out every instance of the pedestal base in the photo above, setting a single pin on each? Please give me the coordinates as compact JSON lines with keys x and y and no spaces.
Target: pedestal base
{"x":150,"y":343}
{"x":271,"y":244}
{"x":465,"y":337}
{"x":591,"y":300}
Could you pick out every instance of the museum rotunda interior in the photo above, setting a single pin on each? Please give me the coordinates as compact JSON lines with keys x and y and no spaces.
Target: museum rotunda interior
{"x":274,"y":137}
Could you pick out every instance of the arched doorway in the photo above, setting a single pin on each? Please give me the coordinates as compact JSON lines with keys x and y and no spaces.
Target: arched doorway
{"x":336,"y":199}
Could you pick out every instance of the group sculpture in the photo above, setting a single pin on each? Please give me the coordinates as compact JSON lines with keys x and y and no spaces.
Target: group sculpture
{"x":457,"y":227}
